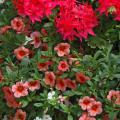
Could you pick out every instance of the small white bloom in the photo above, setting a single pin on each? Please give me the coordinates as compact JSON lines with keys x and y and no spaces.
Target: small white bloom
{"x":47,"y":117}
{"x":51,"y":94}
{"x":37,"y":118}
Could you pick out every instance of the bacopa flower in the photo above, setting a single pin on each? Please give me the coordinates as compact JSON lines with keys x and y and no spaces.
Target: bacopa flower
{"x":9,"y":96}
{"x":17,"y":24}
{"x":20,"y":89}
{"x":75,"y":20}
{"x":33,"y":85}
{"x":20,"y":115}
{"x":61,"y":84}
{"x":114,"y":96}
{"x":85,"y":116}
{"x":36,"y":39}
{"x":62,"y":49}
{"x":70,"y":83}
{"x":81,"y":78}
{"x":63,"y":66}
{"x":110,"y":7}
{"x":95,"y":109}
{"x":50,"y":78}
{"x":86,"y":102}
{"x":21,"y":52}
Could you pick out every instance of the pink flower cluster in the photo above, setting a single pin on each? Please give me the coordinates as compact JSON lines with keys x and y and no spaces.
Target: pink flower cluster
{"x":114,"y":96}
{"x":110,"y":6}
{"x":75,"y":20}
{"x":92,"y":106}
{"x":20,"y":89}
{"x":35,"y":9}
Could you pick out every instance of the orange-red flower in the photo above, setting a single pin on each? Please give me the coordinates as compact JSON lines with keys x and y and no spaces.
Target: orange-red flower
{"x":20,"y":115}
{"x":63,"y":66}
{"x":95,"y":109}
{"x":33,"y":85}
{"x":50,"y":78}
{"x":62,"y":49}
{"x":11,"y":101}
{"x":81,"y":78}
{"x":20,"y":89}
{"x":61,"y":84}
{"x":70,"y":84}
{"x":86,"y":102}
{"x":43,"y":66}
{"x":17,"y":24}
{"x":21,"y":52}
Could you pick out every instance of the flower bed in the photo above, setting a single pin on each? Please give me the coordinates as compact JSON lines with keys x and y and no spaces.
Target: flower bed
{"x":59,"y":60}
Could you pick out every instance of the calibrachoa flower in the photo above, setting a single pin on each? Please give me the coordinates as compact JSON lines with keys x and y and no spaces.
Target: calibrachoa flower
{"x":20,"y":115}
{"x":95,"y":109}
{"x":50,"y":78}
{"x":21,"y":52}
{"x":43,"y":66}
{"x":70,"y":83}
{"x":63,"y":66}
{"x":86,"y":102}
{"x":75,"y":20}
{"x":20,"y":89}
{"x":62,"y":49}
{"x":81,"y":78}
{"x":33,"y":85}
{"x":85,"y":116}
{"x":17,"y":24}
{"x":110,"y":7}
{"x":36,"y":39}
{"x":4,"y":29}
{"x":114,"y":96}
{"x":61,"y":84}
{"x":9,"y":96}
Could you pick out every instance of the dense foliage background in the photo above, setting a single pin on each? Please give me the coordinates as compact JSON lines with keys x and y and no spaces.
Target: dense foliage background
{"x":97,"y":57}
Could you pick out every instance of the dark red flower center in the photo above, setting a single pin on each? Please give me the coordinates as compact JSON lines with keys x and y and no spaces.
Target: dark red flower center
{"x":22,"y":53}
{"x":20,"y":88}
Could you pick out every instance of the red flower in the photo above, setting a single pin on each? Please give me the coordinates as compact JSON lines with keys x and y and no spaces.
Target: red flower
{"x":70,"y":84}
{"x":20,"y":115}
{"x":61,"y":84}
{"x":50,"y":78}
{"x":81,"y":78}
{"x":62,"y":49}
{"x":4,"y":29}
{"x":36,"y":39}
{"x":33,"y":85}
{"x":110,"y":6}
{"x":43,"y":66}
{"x":95,"y":109}
{"x":19,"y":89}
{"x":63,"y":66}
{"x":17,"y":24}
{"x":21,"y":52}
{"x":75,"y":20}
{"x":11,"y":101}
{"x":44,"y":32}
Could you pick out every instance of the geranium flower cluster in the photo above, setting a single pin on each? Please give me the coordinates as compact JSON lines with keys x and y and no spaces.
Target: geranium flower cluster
{"x":76,"y":20}
{"x":110,"y":7}
{"x":35,"y":9}
{"x":92,"y":106}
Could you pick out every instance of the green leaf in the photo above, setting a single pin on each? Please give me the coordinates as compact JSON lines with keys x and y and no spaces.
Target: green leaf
{"x":70,"y":117}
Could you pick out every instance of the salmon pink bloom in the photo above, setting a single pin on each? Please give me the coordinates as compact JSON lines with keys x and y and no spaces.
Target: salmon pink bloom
{"x":9,"y":96}
{"x":61,"y":84}
{"x":110,"y":7}
{"x":85,"y":116}
{"x":20,"y":115}
{"x":95,"y":109}
{"x":50,"y":78}
{"x":63,"y":66}
{"x":114,"y":96}
{"x":21,"y":52}
{"x":36,"y":39}
{"x":62,"y":49}
{"x":33,"y":85}
{"x":86,"y":102}
{"x":81,"y":78}
{"x":4,"y":29}
{"x":20,"y":89}
{"x":17,"y":24}
{"x":43,"y":66}
{"x":70,"y":84}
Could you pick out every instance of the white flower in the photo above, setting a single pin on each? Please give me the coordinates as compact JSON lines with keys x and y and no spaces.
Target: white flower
{"x":47,"y":117}
{"x":37,"y":118}
{"x":51,"y":94}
